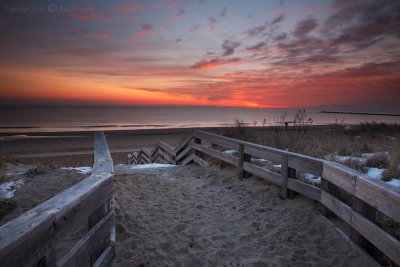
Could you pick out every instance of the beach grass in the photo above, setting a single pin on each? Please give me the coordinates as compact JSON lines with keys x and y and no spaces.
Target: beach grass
{"x":335,"y":140}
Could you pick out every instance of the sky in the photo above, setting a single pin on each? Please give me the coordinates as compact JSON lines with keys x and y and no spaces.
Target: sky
{"x":257,"y":53}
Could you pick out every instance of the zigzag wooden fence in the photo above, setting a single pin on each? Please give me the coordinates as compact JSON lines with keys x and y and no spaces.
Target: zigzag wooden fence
{"x":344,"y":193}
{"x":38,"y":237}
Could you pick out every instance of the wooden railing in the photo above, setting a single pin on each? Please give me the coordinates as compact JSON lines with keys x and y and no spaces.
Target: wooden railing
{"x":44,"y":236}
{"x":345,"y":193}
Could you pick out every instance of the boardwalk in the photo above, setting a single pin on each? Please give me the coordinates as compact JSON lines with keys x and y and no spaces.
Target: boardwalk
{"x":195,"y":216}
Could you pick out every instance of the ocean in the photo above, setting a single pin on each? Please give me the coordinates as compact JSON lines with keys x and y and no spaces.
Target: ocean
{"x":28,"y":119}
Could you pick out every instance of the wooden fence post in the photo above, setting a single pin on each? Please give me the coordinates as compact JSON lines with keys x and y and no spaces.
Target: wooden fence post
{"x":243,"y":158}
{"x":286,"y":173}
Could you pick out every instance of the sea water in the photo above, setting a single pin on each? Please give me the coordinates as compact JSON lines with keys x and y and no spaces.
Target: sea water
{"x":25,"y":119}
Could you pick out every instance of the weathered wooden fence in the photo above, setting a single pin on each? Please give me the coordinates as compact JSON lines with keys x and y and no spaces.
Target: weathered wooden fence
{"x":345,"y":193}
{"x":74,"y":228}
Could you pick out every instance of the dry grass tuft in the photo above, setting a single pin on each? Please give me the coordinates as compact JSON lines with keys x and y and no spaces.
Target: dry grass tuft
{"x":354,"y":164}
{"x":393,"y":168}
{"x":378,"y":161}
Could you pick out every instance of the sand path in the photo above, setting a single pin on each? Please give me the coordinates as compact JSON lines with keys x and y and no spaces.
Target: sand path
{"x":194,"y":216}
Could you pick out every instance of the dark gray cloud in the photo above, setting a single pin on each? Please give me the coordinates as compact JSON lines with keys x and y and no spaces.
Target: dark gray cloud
{"x":257,"y":47}
{"x":361,"y":24}
{"x":223,"y":12}
{"x":305,"y":26}
{"x":278,"y":19}
{"x":257,"y":30}
{"x":228,"y":47}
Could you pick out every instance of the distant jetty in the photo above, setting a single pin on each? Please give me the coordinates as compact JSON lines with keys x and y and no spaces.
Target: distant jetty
{"x":359,"y":113}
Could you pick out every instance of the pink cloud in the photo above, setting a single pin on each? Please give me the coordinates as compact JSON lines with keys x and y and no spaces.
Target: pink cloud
{"x":86,"y":15}
{"x":180,"y":13}
{"x":130,"y":8}
{"x":214,"y":63}
{"x":145,"y":30}
{"x":102,"y":36}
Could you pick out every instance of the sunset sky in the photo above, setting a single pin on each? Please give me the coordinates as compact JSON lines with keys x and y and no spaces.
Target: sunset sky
{"x":312,"y":54}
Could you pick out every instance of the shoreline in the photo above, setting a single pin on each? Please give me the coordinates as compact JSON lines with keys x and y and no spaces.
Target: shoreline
{"x":361,"y":113}
{"x":152,"y":131}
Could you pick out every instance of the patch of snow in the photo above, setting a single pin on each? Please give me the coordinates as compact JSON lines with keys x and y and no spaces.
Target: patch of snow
{"x":375,"y":173}
{"x":342,"y":159}
{"x":370,"y":155}
{"x":82,"y":170}
{"x":314,"y":179}
{"x":394,"y":182}
{"x":8,"y":189}
{"x":230,"y":152}
{"x":152,"y":165}
{"x":260,"y":160}
{"x":277,"y":167}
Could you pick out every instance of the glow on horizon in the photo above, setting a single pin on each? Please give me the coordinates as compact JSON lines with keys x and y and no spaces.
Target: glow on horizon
{"x":267,"y":54}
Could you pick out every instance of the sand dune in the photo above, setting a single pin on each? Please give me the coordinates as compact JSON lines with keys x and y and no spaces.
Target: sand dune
{"x":191,"y":216}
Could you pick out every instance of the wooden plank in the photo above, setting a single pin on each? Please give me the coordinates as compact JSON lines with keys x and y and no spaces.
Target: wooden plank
{"x":342,"y":176}
{"x":382,"y":240}
{"x":59,"y":206}
{"x":27,"y":245}
{"x":146,"y":152}
{"x":166,"y":157}
{"x":263,"y":173}
{"x":79,"y":255}
{"x":304,"y":189}
{"x":188,"y":159}
{"x":61,"y":212}
{"x":78,"y":217}
{"x":167,"y":148}
{"x":231,"y":142}
{"x":183,"y":144}
{"x":378,"y":194}
{"x":153,"y":152}
{"x":306,"y":165}
{"x":184,"y":152}
{"x":102,"y":159}
{"x":336,"y":206}
{"x":107,"y":257}
{"x":217,"y":154}
{"x":217,"y":140}
{"x":260,"y":152}
{"x":200,"y":161}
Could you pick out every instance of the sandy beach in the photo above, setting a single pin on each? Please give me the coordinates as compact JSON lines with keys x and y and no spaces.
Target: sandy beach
{"x":74,"y":149}
{"x":181,"y":215}
{"x":195,"y":216}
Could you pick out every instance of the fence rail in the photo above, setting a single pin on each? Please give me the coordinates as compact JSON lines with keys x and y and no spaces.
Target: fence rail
{"x":365,"y":197}
{"x":37,"y":238}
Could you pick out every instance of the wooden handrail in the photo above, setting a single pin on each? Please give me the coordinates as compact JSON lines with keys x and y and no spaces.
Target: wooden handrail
{"x":31,"y":239}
